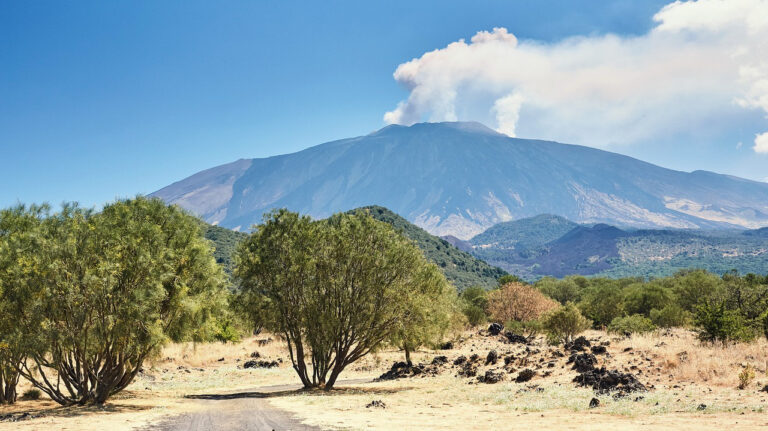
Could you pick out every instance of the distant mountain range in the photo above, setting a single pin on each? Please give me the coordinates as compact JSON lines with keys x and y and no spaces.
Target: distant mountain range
{"x":549,"y":245}
{"x":461,"y":178}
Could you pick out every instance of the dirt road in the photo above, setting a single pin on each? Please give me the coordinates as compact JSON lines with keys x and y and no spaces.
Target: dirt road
{"x":248,"y":411}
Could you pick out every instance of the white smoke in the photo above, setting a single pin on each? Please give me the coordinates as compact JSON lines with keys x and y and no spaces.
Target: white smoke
{"x":704,"y":61}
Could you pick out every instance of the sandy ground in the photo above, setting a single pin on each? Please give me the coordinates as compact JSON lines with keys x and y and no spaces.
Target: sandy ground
{"x":683,"y":374}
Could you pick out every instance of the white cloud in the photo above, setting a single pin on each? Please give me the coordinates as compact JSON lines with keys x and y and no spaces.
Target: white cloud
{"x":739,"y":145}
{"x":703,"y":61}
{"x":761,"y":143}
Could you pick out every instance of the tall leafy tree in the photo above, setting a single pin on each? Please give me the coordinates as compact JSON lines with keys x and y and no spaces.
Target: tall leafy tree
{"x":19,"y":229}
{"x":339,"y":288}
{"x":108,"y":290}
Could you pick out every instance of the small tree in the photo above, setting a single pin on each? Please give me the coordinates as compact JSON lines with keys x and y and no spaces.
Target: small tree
{"x":518,"y":302}
{"x":717,"y":323}
{"x":564,"y":323}
{"x":108,"y":290}
{"x":429,"y":317}
{"x":339,"y":288}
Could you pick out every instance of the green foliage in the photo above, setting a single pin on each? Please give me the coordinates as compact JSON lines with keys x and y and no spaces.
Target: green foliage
{"x":101,"y":292}
{"x":339,"y":288}
{"x":602,"y":301}
{"x":530,"y":328}
{"x":474,"y":303}
{"x":460,"y":268}
{"x":693,"y":287}
{"x":641,"y":298}
{"x":671,"y":316}
{"x":19,"y":227}
{"x":717,"y":323}
{"x":564,"y":323}
{"x":509,"y":278}
{"x":634,"y":324}
{"x":227,"y":332}
{"x":225,"y":243}
{"x":563,"y":291}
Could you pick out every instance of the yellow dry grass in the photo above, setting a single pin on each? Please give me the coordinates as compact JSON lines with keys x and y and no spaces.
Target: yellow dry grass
{"x":685,"y":374}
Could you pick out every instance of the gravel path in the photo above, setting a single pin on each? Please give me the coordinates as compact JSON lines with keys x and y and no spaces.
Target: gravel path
{"x":249,"y":411}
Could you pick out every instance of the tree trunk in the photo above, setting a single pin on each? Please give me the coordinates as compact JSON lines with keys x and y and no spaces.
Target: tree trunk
{"x":407,"y":355}
{"x":8,"y":381}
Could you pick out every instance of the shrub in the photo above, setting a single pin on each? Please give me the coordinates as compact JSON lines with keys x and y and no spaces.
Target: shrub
{"x":518,"y":302}
{"x":227,"y":332}
{"x":746,"y":376}
{"x":670,"y":316}
{"x":564,"y":323}
{"x":527,"y":329}
{"x":31,"y":395}
{"x":717,"y":323}
{"x":475,"y":315}
{"x":474,"y":302}
{"x":634,"y":324}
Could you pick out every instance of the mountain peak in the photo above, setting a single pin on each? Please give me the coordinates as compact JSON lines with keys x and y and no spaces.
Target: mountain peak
{"x":464,"y":126}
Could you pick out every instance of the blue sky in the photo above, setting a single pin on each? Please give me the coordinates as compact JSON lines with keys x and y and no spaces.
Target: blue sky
{"x":107,"y":99}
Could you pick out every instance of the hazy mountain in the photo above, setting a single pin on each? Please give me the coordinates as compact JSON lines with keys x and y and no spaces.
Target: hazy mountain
{"x":461,"y":178}
{"x":609,"y":251}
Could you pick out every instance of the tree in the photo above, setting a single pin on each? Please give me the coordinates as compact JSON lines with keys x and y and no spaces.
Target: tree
{"x":430,"y":316}
{"x":641,"y":298}
{"x":108,"y":290}
{"x":339,"y":288}
{"x":562,"y":291}
{"x":18,"y":232}
{"x":694,"y":287}
{"x":564,"y":323}
{"x":518,"y":302}
{"x":603,"y":301}
{"x":717,"y":323}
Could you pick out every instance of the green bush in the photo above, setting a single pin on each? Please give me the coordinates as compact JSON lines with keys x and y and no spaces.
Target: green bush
{"x":717,"y":323}
{"x":634,"y":324}
{"x":564,"y":323}
{"x":227,"y":332}
{"x":474,"y":303}
{"x":475,"y":315}
{"x":530,"y":328}
{"x":671,"y":316}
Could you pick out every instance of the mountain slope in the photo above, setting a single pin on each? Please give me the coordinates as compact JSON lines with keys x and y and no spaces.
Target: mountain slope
{"x":461,"y":178}
{"x":608,"y":251}
{"x":524,"y":233}
{"x":459,"y":267}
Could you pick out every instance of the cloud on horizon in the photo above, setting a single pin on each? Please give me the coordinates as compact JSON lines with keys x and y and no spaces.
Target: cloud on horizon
{"x":704,"y":61}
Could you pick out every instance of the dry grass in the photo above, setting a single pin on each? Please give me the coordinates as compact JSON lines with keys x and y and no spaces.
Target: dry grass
{"x":685,"y":374}
{"x":685,"y":359}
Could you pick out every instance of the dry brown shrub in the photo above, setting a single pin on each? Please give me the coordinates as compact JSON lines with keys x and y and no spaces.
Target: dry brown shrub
{"x":518,"y":302}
